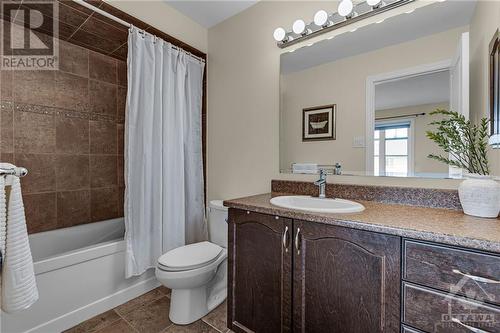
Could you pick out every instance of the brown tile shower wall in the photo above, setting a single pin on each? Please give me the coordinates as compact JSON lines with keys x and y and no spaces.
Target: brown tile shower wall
{"x":66,"y":127}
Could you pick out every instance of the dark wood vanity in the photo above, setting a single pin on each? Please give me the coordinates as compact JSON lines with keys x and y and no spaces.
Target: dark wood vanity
{"x":282,"y":272}
{"x":288,"y":274}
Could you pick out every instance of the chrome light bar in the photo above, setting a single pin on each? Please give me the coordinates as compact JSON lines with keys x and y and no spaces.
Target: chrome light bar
{"x":348,"y":13}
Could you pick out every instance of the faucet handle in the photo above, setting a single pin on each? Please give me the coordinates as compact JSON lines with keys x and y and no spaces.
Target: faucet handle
{"x":323,"y":173}
{"x":338,"y":169}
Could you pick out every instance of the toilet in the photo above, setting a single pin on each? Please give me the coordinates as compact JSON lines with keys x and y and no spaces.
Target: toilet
{"x":197,"y":273}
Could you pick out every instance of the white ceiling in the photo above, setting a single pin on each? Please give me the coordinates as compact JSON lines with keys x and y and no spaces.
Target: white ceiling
{"x":208,"y":13}
{"x":422,"y":22}
{"x":418,"y":90}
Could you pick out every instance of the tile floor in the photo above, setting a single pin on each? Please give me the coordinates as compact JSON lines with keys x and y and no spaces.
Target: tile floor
{"x":148,"y":313}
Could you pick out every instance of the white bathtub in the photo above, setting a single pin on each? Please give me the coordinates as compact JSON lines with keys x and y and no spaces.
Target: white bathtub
{"x":80,"y":272}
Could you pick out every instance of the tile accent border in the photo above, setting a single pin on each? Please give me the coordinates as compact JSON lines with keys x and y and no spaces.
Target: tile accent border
{"x":422,"y":197}
{"x":49,"y":110}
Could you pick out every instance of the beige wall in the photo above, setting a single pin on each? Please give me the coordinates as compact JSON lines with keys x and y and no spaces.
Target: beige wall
{"x":343,"y":83}
{"x":423,"y":146}
{"x":243,"y":103}
{"x":243,"y":93}
{"x":164,"y":17}
{"x":485,"y":22}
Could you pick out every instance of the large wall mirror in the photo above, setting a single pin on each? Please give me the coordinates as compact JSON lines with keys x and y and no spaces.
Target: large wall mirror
{"x":366,"y":102}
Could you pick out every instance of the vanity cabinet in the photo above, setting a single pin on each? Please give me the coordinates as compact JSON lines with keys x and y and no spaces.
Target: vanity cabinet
{"x":305,"y":277}
{"x":308,"y":277}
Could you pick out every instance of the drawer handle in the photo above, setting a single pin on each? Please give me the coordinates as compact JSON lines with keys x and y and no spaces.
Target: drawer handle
{"x":297,"y":241}
{"x":286,"y":239}
{"x":470,"y":328}
{"x":476,"y":278}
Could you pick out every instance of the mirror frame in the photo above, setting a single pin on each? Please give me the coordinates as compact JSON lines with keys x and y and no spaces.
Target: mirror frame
{"x":494,"y":66}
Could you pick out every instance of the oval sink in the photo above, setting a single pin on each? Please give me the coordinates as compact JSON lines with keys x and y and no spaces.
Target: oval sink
{"x":313,"y":204}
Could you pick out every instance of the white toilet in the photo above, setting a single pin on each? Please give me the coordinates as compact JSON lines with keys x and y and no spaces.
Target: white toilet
{"x":197,"y":273}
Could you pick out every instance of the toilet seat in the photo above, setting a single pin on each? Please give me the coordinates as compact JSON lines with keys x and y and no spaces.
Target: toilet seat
{"x":189,"y":257}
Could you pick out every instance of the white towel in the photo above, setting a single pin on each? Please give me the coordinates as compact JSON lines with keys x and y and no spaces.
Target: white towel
{"x":19,"y":289}
{"x":306,"y":168}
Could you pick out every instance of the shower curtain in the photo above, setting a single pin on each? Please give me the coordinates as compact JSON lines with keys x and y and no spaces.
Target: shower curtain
{"x":164,"y":199}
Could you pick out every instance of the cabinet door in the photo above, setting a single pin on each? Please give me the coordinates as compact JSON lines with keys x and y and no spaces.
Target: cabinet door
{"x":260,"y":260}
{"x":345,"y":280}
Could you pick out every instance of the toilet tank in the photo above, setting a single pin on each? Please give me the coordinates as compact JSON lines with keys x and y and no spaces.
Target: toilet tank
{"x":217,"y":223}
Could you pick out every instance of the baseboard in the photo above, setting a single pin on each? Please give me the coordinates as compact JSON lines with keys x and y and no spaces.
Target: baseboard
{"x":77,"y":316}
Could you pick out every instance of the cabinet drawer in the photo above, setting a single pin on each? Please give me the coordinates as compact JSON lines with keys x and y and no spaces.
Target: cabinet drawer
{"x":458,"y":271}
{"x":432,"y":311}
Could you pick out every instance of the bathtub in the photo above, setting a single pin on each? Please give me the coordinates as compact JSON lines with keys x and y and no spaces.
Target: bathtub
{"x":80,"y":272}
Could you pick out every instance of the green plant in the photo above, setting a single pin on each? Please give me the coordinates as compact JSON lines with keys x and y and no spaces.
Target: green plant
{"x":465,"y":143}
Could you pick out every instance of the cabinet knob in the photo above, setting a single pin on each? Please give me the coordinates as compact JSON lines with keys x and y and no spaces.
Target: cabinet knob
{"x":276,"y":217}
{"x":248,"y":212}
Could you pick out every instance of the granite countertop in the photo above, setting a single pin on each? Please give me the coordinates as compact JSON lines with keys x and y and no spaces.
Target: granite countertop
{"x":430,"y":224}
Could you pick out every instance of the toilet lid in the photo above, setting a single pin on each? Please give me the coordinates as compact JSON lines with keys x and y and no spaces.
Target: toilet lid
{"x":190,"y":256}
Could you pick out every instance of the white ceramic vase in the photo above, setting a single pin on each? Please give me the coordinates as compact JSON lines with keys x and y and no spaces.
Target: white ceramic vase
{"x":480,"y":196}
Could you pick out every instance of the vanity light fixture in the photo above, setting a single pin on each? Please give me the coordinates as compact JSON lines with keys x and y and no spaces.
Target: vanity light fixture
{"x":349,"y":11}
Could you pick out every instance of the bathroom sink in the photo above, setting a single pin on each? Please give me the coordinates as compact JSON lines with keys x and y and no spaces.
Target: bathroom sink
{"x":313,"y":204}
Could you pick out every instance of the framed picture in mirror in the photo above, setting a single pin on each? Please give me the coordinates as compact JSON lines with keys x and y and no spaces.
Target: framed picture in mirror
{"x":495,"y":83}
{"x":318,"y":123}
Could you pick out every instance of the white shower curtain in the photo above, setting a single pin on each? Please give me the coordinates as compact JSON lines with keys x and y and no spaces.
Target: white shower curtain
{"x":164,"y":199}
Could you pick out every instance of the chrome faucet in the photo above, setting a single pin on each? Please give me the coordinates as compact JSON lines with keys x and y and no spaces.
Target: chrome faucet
{"x":321,"y":183}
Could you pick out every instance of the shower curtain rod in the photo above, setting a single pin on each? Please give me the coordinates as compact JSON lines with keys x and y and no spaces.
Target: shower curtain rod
{"x":125,"y":23}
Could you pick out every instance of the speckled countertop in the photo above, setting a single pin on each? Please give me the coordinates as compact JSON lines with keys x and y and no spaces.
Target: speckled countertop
{"x":431,"y":224}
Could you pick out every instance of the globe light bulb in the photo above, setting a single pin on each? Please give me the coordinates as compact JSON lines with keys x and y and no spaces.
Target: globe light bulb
{"x":279,"y":34}
{"x":345,"y":8}
{"x":299,"y":26}
{"x":321,"y":18}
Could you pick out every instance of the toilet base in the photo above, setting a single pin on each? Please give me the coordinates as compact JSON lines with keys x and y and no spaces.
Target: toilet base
{"x":188,"y":305}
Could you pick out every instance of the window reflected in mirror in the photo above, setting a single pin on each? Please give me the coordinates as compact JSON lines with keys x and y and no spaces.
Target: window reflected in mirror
{"x":392,"y":148}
